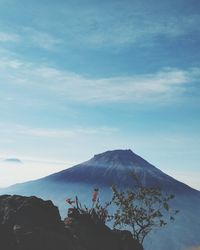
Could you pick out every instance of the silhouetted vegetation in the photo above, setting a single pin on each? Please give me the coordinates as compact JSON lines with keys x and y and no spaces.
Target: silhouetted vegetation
{"x":139,"y":210}
{"x":98,"y":212}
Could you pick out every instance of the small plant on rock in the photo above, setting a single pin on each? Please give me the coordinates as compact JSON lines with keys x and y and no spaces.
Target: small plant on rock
{"x":97,"y":212}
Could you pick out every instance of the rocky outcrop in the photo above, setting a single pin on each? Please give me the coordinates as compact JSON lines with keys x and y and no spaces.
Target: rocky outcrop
{"x":93,"y":234}
{"x":28,"y":211}
{"x":30,"y":223}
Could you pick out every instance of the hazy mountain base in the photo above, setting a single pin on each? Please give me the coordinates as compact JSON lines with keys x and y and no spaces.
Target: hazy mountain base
{"x":114,"y":167}
{"x":174,"y":236}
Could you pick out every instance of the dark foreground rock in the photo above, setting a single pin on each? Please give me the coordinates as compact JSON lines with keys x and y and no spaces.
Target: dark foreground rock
{"x":95,"y":235}
{"x":30,"y":223}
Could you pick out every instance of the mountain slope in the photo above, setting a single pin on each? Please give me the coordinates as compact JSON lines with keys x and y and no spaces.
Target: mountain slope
{"x":115,"y":167}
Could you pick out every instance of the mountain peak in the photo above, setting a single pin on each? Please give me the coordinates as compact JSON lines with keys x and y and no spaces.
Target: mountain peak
{"x":116,"y":152}
{"x":123,"y":156}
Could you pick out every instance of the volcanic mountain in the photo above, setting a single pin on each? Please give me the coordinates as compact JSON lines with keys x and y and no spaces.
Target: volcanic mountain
{"x":116,"y":168}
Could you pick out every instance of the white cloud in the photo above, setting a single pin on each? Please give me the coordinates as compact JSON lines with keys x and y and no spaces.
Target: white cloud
{"x":20,"y":130}
{"x":9,"y":37}
{"x":10,"y":64}
{"x":27,"y":36}
{"x":41,"y":39}
{"x":63,"y":133}
{"x":160,"y":86}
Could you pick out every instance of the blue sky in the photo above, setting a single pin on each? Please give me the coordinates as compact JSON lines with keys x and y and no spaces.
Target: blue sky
{"x":81,"y":77}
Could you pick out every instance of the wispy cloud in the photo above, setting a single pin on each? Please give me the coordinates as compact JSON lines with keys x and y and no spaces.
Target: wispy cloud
{"x":160,"y":86}
{"x":9,"y":37}
{"x":104,"y":27}
{"x":117,"y":24}
{"x":64,"y":133}
{"x":136,"y":88}
{"x":41,"y":39}
{"x":27,"y":36}
{"x":109,"y":24}
{"x":8,"y":64}
{"x":21,"y":130}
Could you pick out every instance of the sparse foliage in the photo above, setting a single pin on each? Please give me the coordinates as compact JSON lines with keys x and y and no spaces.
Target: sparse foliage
{"x":97,"y":212}
{"x":142,"y":209}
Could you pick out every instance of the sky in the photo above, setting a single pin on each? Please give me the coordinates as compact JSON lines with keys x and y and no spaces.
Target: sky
{"x":80,"y":77}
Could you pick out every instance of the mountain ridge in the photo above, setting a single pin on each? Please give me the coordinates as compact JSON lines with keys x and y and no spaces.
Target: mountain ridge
{"x":114,"y":167}
{"x":113,"y":164}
